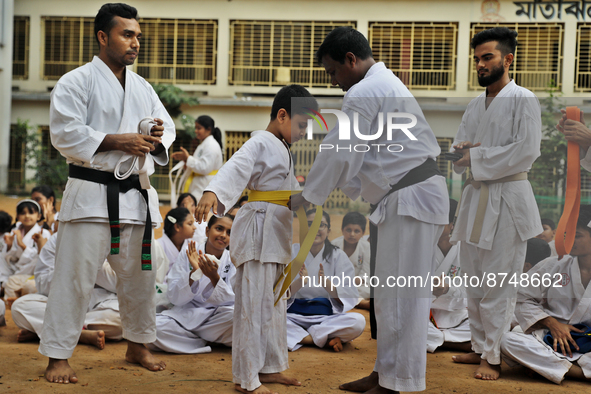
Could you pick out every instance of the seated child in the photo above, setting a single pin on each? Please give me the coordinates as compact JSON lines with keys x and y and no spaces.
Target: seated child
{"x":449,"y":327}
{"x":203,"y":307}
{"x":316,"y":313}
{"x":548,"y":234}
{"x":553,"y":304}
{"x":358,"y":251}
{"x":262,"y":237}
{"x":20,"y":251}
{"x":45,"y":197}
{"x":187,"y":200}
{"x":179,"y":225}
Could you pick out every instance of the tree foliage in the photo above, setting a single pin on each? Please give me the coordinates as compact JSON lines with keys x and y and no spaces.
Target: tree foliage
{"x":173,"y":99}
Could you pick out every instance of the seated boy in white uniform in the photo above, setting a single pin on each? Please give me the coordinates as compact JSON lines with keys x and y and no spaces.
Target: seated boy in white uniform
{"x":200,"y":288}
{"x":102,"y":318}
{"x":316,"y":313}
{"x":358,"y":251}
{"x":449,"y":326}
{"x":557,"y":298}
{"x":548,"y":234}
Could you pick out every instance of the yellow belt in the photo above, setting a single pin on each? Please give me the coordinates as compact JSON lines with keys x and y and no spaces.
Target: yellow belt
{"x":483,"y":200}
{"x":190,"y":179}
{"x":307,"y":235}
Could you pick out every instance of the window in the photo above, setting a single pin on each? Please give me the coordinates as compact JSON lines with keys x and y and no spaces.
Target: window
{"x":20,"y":50}
{"x":278,"y":53}
{"x":538,"y":57}
{"x":583,"y":58}
{"x":445,"y":166}
{"x":421,"y":54}
{"x":16,"y":160}
{"x":179,"y":51}
{"x":68,"y":43}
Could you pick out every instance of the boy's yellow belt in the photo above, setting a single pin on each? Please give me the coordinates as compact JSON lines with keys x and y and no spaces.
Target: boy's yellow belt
{"x":307,"y":235}
{"x":190,"y":179}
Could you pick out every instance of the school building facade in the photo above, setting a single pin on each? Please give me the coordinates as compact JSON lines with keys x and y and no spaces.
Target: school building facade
{"x":234,"y":55}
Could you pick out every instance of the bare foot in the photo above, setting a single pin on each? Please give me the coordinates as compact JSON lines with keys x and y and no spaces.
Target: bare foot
{"x":26,"y":336}
{"x":336,"y":344}
{"x":362,"y":385}
{"x":259,"y":390}
{"x":278,"y":378}
{"x":137,"y":353}
{"x":487,"y":371}
{"x":10,"y":301}
{"x":575,"y":372}
{"x":470,"y":358}
{"x":59,"y":371}
{"x":381,"y":390}
{"x":93,"y":338}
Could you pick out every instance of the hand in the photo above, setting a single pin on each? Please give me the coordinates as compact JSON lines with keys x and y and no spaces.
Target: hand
{"x":208,"y":202}
{"x":575,"y":131}
{"x":304,"y":273}
{"x":442,"y":289}
{"x":19,"y":239}
{"x":183,"y":155}
{"x":48,"y":213}
{"x":209,"y":268}
{"x":8,"y":240}
{"x":193,"y":256}
{"x":296,"y":201}
{"x":561,"y":334}
{"x":158,"y":129}
{"x":464,"y":149}
{"x":132,"y":143}
{"x":39,"y":239}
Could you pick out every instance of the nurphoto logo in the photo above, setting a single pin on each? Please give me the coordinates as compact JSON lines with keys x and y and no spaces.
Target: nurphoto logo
{"x":344,"y":124}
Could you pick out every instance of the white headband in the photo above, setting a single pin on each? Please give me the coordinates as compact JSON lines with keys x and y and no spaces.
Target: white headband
{"x":29,"y":200}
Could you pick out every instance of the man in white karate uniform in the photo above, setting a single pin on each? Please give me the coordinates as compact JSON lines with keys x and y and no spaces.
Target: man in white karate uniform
{"x":560,"y":299}
{"x":408,"y":193}
{"x":499,"y":138}
{"x":96,"y":115}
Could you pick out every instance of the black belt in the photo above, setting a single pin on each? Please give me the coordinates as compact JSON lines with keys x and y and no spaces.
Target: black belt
{"x":114,"y":187}
{"x":416,"y":175}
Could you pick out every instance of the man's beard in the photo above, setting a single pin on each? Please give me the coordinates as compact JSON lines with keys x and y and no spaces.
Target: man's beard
{"x":496,"y":73}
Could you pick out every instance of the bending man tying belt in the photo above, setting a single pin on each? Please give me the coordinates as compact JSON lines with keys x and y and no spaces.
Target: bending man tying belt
{"x":96,"y":112}
{"x":410,"y":199}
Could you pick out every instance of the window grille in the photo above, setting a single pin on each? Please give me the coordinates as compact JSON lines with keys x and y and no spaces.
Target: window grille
{"x":20,"y":50}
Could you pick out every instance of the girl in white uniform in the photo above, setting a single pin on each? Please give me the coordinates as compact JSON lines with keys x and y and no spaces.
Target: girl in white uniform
{"x":316,"y":313}
{"x":45,"y":197}
{"x":200,"y":287}
{"x":179,"y":225}
{"x":20,"y":251}
{"x":187,"y":200}
{"x":206,"y":160}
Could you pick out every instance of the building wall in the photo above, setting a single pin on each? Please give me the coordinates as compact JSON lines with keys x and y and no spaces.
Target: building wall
{"x":6,"y":17}
{"x":246,"y":108}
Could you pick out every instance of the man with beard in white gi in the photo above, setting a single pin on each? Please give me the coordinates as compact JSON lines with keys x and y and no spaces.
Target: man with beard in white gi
{"x":499,"y":138}
{"x":560,"y":299}
{"x":409,"y":195}
{"x":108,"y":208}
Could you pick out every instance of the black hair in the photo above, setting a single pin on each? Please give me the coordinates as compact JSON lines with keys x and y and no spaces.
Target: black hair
{"x":537,"y":250}
{"x":453,"y":206}
{"x":505,"y":37}
{"x":178,"y":216}
{"x":208,"y":123}
{"x":213,"y":219}
{"x":550,"y":223}
{"x":104,"y":19}
{"x":341,"y":40}
{"x":30,"y":205}
{"x":584,"y":217}
{"x":47,"y":192}
{"x":283,"y":100}
{"x":354,"y":218}
{"x":183,"y":196}
{"x":328,"y":246}
{"x":5,"y":222}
